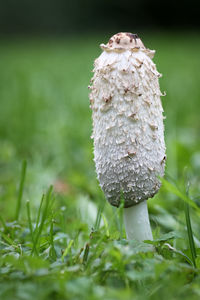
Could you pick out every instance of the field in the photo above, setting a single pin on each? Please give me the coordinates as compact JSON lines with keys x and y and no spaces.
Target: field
{"x":59,"y":238}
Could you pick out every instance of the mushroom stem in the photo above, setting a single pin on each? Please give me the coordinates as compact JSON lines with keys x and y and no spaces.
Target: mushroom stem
{"x":137,"y":223}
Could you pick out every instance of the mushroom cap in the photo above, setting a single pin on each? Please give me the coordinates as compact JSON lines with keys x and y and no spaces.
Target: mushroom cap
{"x":126,"y":41}
{"x":128,"y":130}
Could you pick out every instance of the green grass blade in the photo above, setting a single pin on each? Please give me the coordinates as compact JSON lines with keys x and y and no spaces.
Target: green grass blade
{"x":98,"y":217}
{"x":179,"y":253}
{"x":44,"y":216}
{"x":21,"y":189}
{"x":29,"y":220}
{"x":3,"y":223}
{"x":53,"y":251}
{"x":121,"y":217}
{"x":176,"y":191}
{"x":106,"y":225}
{"x":86,"y":253}
{"x":39,"y":214}
{"x":187,"y":202}
{"x":118,"y":216}
{"x":67,"y":249}
{"x":190,"y":234}
{"x":7,"y":239}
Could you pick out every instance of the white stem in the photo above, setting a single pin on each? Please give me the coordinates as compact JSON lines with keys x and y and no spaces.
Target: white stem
{"x":137,"y":223}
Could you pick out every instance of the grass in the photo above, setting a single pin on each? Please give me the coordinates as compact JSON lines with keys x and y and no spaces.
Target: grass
{"x":59,"y":238}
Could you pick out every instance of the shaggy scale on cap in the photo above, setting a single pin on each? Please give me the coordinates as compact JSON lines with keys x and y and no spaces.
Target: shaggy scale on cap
{"x":128,"y":131}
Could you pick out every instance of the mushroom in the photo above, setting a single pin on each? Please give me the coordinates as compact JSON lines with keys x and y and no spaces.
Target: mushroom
{"x":128,"y":130}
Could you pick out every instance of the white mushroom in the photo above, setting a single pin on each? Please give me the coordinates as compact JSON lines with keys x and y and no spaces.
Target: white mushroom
{"x":128,"y":131}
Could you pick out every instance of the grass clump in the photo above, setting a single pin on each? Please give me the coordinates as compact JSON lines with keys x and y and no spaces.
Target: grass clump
{"x":40,"y":258}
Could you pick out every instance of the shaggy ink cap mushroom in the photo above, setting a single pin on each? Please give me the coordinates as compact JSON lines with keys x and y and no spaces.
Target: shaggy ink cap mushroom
{"x":128,"y":130}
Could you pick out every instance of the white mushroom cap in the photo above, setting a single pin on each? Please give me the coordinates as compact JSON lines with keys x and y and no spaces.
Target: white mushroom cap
{"x":128,"y":131}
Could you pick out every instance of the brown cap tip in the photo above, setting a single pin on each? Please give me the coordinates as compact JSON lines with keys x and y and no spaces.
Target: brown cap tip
{"x":125,"y":41}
